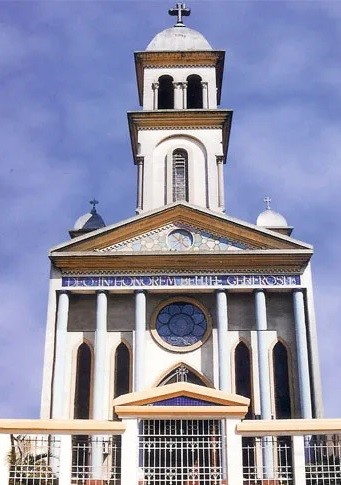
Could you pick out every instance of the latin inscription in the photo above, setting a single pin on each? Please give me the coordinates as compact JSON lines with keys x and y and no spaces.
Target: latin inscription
{"x":170,"y":281}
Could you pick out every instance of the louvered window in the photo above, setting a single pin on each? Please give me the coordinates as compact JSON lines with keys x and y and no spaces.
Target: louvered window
{"x":180,"y":175}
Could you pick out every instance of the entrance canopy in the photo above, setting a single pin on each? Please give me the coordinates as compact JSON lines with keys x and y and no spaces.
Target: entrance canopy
{"x":181,"y":400}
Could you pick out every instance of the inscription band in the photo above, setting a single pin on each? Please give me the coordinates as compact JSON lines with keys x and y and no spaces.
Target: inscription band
{"x":140,"y":281}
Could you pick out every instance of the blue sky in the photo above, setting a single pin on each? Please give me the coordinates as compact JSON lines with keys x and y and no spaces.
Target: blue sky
{"x":67,"y":79}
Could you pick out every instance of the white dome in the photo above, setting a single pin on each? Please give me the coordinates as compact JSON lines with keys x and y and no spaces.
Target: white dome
{"x":89,"y":222}
{"x":81,"y":221}
{"x":270,"y":218}
{"x":179,"y":38}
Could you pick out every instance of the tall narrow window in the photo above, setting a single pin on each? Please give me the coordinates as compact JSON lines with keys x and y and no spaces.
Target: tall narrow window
{"x":122,"y":370}
{"x":281,"y":381}
{"x":194,"y":92}
{"x":165,"y":93}
{"x":180,"y":175}
{"x":83,"y":380}
{"x":242,"y":365}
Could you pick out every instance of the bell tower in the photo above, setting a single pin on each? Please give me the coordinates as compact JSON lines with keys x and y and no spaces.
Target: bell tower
{"x":180,"y":138}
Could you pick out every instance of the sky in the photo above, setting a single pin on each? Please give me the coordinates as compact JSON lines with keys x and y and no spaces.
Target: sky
{"x":67,"y":79}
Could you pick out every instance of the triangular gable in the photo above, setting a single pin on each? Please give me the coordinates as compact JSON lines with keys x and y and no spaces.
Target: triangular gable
{"x":179,"y":400}
{"x":183,"y":390}
{"x":158,"y":240}
{"x":217,"y":230}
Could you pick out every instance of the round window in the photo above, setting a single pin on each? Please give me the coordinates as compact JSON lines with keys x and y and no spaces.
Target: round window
{"x":181,"y":325}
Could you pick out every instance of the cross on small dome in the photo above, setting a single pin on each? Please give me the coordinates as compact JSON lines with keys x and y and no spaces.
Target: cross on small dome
{"x":267,"y":201}
{"x":94,"y":202}
{"x":180,"y":10}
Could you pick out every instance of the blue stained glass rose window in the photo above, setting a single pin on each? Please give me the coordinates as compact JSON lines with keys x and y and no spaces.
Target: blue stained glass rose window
{"x":181,"y":324}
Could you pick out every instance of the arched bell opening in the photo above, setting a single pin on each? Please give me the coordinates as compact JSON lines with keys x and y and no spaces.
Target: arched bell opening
{"x":194,"y":92}
{"x":165,"y":92}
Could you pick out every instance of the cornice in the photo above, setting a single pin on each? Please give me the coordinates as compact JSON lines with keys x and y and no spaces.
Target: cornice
{"x":249,"y":261}
{"x":164,"y":59}
{"x":181,"y":120}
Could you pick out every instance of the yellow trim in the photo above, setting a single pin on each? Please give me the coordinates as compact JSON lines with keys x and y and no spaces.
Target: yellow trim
{"x":179,"y":412}
{"x":286,"y":427}
{"x":65,"y":426}
{"x":155,"y":394}
{"x":174,"y":348}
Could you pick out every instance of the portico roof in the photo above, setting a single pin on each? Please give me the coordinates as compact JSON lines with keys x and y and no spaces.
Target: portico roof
{"x":252,"y":249}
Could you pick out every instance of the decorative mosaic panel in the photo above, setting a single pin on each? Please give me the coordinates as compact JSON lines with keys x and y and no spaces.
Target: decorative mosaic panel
{"x":183,"y":401}
{"x":158,"y":240}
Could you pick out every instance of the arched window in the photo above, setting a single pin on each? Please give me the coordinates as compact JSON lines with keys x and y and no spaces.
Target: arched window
{"x":180,"y":175}
{"x":242,"y":365}
{"x":194,"y":92}
{"x":281,"y":381}
{"x":122,"y":370}
{"x":165,"y":93}
{"x":83,"y":381}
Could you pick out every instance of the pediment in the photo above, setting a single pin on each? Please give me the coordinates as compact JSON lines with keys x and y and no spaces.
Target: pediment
{"x":186,"y":390}
{"x":179,"y":399}
{"x":149,"y":242}
{"x":177,"y":236}
{"x":211,"y":231}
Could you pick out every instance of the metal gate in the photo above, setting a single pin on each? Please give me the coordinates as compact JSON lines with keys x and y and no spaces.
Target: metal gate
{"x":181,"y":452}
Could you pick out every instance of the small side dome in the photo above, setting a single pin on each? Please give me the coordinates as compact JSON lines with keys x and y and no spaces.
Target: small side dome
{"x":179,"y":38}
{"x":87,"y":222}
{"x":270,"y":218}
{"x":273,"y":220}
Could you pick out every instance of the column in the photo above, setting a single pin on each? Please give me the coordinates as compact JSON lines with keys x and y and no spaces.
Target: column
{"x":302,"y":354}
{"x":184,"y":94}
{"x":100,"y":356}
{"x":223,"y":350}
{"x":234,"y":453}
{"x":177,"y":95}
{"x":205,"y":102}
{"x":264,"y":379}
{"x":130,"y":453}
{"x":140,"y":327}
{"x":99,"y":405}
{"x":263,"y":360}
{"x":220,"y":168}
{"x":155,"y":87}
{"x":5,"y":449}
{"x":65,"y":457}
{"x":59,"y":391}
{"x":139,"y":161}
{"x":298,"y":457}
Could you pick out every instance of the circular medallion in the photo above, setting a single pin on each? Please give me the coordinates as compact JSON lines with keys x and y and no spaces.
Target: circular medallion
{"x":180,"y":240}
{"x":182,"y":325}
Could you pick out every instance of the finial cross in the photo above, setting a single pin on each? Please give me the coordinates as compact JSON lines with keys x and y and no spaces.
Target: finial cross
{"x":94,"y":202}
{"x":267,"y":201}
{"x":180,"y":10}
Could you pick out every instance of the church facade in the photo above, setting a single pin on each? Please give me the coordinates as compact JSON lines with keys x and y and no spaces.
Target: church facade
{"x":181,"y":318}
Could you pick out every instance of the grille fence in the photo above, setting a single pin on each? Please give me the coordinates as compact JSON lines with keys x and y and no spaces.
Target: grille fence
{"x":82,"y":459}
{"x":323,"y":460}
{"x":181,"y":452}
{"x":267,"y":458}
{"x":34,"y":460}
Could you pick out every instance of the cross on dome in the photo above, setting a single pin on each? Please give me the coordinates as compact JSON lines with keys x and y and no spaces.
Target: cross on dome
{"x":94,"y":202}
{"x":180,"y":10}
{"x":267,"y":201}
